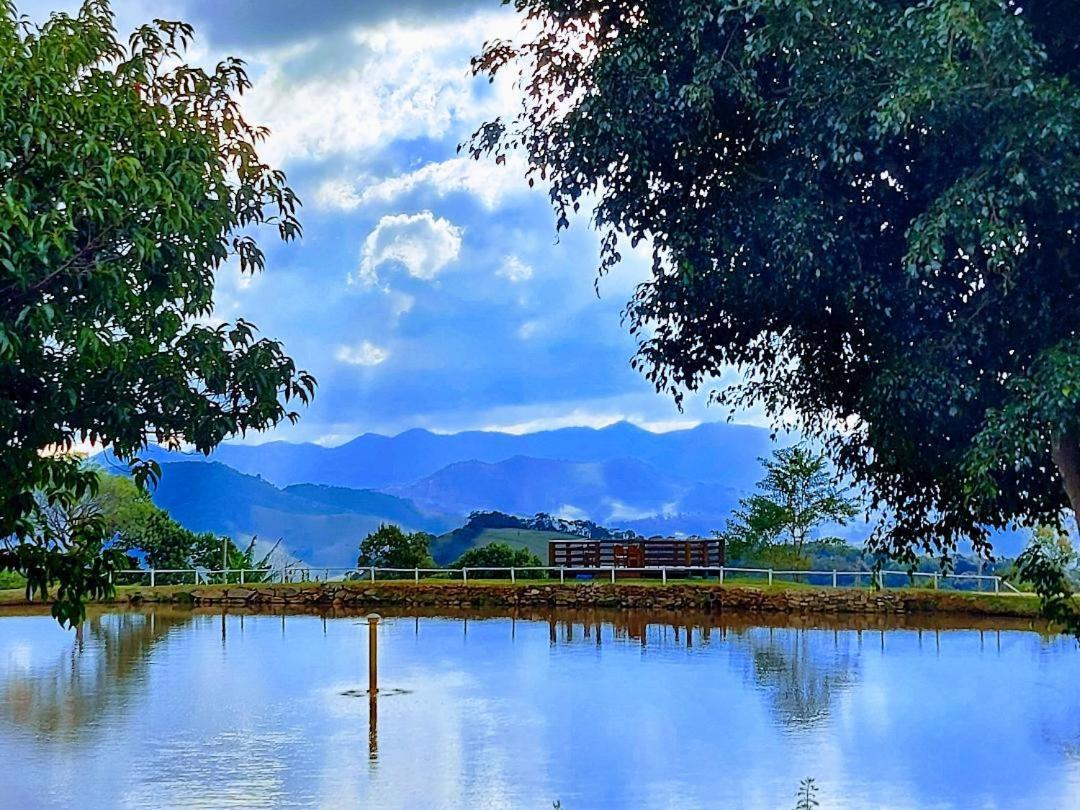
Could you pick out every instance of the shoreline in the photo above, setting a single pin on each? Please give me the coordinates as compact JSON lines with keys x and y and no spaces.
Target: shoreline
{"x":790,"y":599}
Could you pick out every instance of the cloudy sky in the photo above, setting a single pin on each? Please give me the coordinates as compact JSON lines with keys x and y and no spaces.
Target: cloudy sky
{"x":429,"y":290}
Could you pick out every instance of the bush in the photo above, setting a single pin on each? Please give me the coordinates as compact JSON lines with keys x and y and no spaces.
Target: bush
{"x":500,"y":555}
{"x":390,"y":547}
{"x":11,"y":579}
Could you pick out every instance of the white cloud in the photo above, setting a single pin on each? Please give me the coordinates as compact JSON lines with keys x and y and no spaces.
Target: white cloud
{"x":485,"y":179}
{"x":339,"y":194}
{"x":363,"y":354}
{"x":514,"y":269}
{"x":422,"y":244}
{"x":370,"y":86}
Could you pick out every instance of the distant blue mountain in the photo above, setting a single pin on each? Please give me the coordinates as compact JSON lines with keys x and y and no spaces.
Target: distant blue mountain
{"x":613,"y":492}
{"x":716,"y":453}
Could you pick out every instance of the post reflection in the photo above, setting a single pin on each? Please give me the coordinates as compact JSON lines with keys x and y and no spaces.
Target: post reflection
{"x":373,"y":728}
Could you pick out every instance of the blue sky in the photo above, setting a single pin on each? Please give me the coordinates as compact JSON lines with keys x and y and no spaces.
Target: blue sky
{"x":429,"y":290}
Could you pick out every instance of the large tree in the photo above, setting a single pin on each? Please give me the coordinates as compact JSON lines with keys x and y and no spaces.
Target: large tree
{"x":871,"y":208}
{"x":127,"y":180}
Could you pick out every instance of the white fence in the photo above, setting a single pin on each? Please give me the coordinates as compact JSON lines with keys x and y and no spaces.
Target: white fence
{"x":833,"y":578}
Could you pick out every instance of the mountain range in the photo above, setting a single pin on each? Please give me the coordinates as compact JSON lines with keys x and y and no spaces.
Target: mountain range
{"x":320,"y":501}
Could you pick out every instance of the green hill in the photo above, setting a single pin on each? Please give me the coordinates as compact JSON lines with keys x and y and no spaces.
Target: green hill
{"x":448,"y":547}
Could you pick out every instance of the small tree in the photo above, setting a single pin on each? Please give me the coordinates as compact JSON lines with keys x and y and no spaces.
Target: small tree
{"x":390,"y":547}
{"x":797,"y":494}
{"x":1045,"y":565}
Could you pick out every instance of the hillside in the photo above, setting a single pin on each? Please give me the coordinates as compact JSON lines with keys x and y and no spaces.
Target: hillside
{"x":448,"y":547}
{"x":319,"y":525}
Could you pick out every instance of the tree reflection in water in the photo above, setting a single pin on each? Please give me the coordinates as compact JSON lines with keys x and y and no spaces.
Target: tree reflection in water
{"x":801,"y":666}
{"x":102,"y":668}
{"x":801,"y":671}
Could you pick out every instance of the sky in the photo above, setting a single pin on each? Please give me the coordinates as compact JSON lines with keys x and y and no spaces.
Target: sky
{"x":429,"y":290}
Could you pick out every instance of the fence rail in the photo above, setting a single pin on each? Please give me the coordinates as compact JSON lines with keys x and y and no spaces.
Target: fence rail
{"x":830,"y":578}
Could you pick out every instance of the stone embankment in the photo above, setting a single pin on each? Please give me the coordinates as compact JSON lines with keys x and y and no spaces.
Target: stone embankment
{"x":619,"y":596}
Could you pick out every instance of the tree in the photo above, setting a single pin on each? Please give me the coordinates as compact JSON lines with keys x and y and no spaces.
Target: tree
{"x":129,"y":521}
{"x":1045,"y":564}
{"x":500,"y":555}
{"x":129,"y":178}
{"x":797,"y":495}
{"x":869,"y":207}
{"x":390,"y":547}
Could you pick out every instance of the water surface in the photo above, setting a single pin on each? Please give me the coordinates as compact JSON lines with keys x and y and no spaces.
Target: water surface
{"x":173,"y":708}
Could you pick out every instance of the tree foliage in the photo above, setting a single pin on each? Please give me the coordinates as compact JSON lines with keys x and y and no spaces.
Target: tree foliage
{"x":871,"y":208}
{"x":500,"y":555}
{"x":127,"y":180}
{"x":390,"y":547}
{"x":797,"y":494}
{"x":1044,"y":565}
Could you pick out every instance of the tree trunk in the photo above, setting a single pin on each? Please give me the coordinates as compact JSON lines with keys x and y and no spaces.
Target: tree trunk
{"x":1066,"y":454}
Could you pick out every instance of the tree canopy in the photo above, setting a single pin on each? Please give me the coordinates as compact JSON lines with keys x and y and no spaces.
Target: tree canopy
{"x":127,"y":180}
{"x":500,"y":555}
{"x":797,"y":495}
{"x":870,"y":208}
{"x":390,"y":547}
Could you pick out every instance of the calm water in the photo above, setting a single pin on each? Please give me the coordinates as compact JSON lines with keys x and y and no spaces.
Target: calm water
{"x":177,"y":709}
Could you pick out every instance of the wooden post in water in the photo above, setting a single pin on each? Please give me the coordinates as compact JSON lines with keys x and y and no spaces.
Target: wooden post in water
{"x":373,"y":653}
{"x":373,"y":686}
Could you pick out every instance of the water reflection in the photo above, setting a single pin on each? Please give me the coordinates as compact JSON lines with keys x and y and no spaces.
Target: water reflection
{"x":801,"y":674}
{"x":94,"y":674}
{"x":177,"y":707}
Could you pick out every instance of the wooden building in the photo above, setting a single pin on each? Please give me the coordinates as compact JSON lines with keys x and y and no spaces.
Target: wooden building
{"x":655,"y":552}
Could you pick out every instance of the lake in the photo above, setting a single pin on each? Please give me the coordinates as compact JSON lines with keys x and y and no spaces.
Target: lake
{"x":175,"y":708}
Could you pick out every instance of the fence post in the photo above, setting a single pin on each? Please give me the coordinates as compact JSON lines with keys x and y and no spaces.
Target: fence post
{"x":241,"y":576}
{"x":465,"y":575}
{"x":372,"y":573}
{"x":937,"y":575}
{"x":663,"y":575}
{"x":721,"y":575}
{"x":997,"y":584}
{"x":416,"y":574}
{"x":562,"y":574}
{"x":512,"y":579}
{"x":153,"y":579}
{"x":613,"y":575}
{"x":834,"y":578}
{"x":770,"y":576}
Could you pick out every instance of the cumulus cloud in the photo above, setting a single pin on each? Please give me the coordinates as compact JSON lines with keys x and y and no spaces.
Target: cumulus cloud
{"x":514,"y":269}
{"x":355,"y":91}
{"x":365,"y":353}
{"x":422,"y":244}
